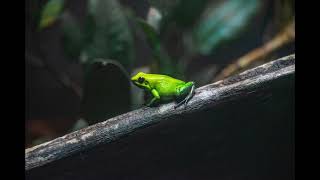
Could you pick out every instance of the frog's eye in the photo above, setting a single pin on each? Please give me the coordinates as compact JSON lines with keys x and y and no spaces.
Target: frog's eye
{"x":140,"y":80}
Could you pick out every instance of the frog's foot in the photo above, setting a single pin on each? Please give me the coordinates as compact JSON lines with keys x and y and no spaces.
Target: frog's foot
{"x":152,"y":103}
{"x":187,"y":98}
{"x":190,"y":95}
{"x":155,"y":100}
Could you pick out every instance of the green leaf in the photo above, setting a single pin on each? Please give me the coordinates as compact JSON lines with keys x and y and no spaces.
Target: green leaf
{"x":154,"y":18}
{"x":164,"y":6}
{"x":164,"y":63}
{"x":72,"y":36}
{"x":151,"y":34}
{"x":178,"y":12}
{"x":109,"y":33}
{"x":223,"y":22}
{"x":106,"y":90}
{"x":50,"y":13}
{"x":186,"y":13}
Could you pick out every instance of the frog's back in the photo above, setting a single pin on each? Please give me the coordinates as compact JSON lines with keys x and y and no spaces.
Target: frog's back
{"x":164,"y":84}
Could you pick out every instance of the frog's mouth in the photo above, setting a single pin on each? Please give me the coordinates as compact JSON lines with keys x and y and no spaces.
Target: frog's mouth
{"x":139,"y":84}
{"x":135,"y":82}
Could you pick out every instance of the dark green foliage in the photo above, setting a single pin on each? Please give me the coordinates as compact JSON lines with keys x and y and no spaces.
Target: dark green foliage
{"x":106,"y":35}
{"x":165,"y":6}
{"x":50,"y":13}
{"x":186,"y":13}
{"x":73,"y":37}
{"x":188,"y":31}
{"x":111,"y":37}
{"x":164,"y":64}
{"x":222,"y":23}
{"x":106,"y":91}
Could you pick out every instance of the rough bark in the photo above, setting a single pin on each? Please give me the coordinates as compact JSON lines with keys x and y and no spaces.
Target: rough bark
{"x":207,"y":96}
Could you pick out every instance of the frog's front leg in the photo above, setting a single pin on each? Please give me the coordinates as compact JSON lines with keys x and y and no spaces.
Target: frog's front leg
{"x":156,"y":97}
{"x":186,"y":91}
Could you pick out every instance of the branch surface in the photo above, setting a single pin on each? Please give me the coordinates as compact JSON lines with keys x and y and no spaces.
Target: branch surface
{"x":205,"y":97}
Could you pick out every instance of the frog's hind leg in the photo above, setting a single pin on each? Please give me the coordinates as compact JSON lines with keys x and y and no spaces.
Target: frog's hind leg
{"x":186,"y":91}
{"x":155,"y":99}
{"x":190,"y":95}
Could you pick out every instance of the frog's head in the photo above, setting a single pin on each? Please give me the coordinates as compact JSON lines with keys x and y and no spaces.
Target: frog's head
{"x":140,"y":80}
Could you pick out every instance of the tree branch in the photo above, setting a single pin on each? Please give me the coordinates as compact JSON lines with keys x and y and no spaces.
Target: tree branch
{"x":207,"y":96}
{"x":286,"y":36}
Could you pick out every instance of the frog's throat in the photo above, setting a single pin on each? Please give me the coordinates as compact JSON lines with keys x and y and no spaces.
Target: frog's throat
{"x":140,"y":85}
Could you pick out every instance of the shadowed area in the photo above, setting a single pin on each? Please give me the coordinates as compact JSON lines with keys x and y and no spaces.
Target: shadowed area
{"x":250,"y":138}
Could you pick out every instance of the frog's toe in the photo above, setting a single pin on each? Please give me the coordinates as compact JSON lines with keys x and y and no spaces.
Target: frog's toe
{"x":180,"y":103}
{"x":190,"y":95}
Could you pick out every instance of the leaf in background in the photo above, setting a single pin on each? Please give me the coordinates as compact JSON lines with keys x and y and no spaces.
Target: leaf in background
{"x":109,"y":33}
{"x":151,"y":34}
{"x":50,"y":12}
{"x":222,"y":22}
{"x":178,"y":18}
{"x":72,"y":36}
{"x":106,"y":91}
{"x":154,"y":18}
{"x":284,"y":12}
{"x":164,"y":6}
{"x":179,"y":12}
{"x":187,"y":12}
{"x":164,"y":64}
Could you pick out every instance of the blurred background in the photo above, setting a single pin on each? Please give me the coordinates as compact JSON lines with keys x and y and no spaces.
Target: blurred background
{"x":80,"y":54}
